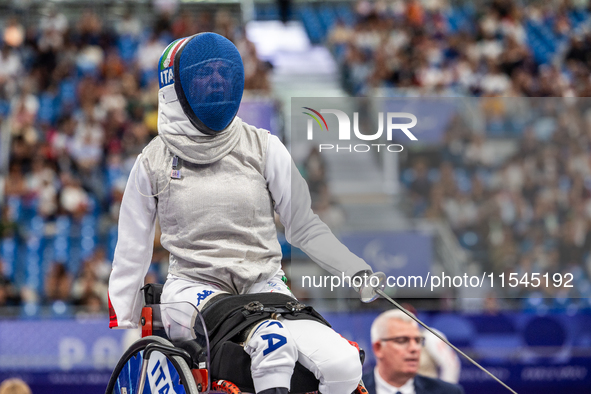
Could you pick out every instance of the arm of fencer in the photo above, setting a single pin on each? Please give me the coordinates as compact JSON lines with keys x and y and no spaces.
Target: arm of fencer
{"x":303,"y":228}
{"x":133,"y":252}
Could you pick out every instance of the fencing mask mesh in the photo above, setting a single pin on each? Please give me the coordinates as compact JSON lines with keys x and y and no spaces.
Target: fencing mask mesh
{"x":209,"y":81}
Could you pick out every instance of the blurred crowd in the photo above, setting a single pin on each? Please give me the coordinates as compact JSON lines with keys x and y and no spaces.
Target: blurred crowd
{"x":485,"y":50}
{"x":324,"y":204}
{"x":520,"y":205}
{"x":79,"y":98}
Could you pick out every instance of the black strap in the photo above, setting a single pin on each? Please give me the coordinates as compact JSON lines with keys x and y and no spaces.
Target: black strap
{"x":239,"y":321}
{"x":227,"y":315}
{"x":152,"y":293}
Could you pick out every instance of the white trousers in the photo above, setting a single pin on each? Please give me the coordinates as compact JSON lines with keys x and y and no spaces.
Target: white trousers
{"x":275,"y":345}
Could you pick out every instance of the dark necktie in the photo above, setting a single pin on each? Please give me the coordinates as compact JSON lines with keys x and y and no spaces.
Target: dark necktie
{"x":398,"y":392}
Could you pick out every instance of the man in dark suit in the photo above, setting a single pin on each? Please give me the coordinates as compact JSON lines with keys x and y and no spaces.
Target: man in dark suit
{"x":397,"y":344}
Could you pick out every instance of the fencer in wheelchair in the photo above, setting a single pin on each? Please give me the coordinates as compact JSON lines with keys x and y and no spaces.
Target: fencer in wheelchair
{"x":215,"y":183}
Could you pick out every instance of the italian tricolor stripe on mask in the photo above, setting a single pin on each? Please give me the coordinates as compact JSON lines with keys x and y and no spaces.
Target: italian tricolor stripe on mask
{"x":167,"y":58}
{"x":167,"y":61}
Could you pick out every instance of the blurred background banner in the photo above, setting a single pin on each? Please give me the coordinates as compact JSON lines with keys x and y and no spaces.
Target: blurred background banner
{"x":262,"y":113}
{"x":63,"y":345}
{"x":396,"y":254}
{"x":435,"y":117}
{"x":61,"y":355}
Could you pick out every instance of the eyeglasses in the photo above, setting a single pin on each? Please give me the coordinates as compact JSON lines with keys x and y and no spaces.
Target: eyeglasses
{"x":405,"y":341}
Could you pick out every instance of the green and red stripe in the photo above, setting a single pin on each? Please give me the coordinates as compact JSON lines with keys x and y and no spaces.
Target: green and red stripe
{"x":169,"y":52}
{"x":315,"y":118}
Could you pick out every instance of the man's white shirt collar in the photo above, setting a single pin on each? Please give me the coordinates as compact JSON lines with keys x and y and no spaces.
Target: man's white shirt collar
{"x":383,"y":387}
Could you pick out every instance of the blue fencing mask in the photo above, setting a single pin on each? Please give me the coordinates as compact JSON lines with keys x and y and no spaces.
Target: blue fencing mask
{"x":208,"y":77}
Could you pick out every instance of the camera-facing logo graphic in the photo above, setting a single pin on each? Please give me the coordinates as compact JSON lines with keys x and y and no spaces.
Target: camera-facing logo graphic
{"x":392,"y":121}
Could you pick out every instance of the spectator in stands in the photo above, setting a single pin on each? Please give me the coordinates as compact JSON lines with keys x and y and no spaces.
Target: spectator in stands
{"x":15,"y":183}
{"x":494,"y":82}
{"x":92,"y":85}
{"x":74,"y":199}
{"x":40,"y":175}
{"x":341,"y":34}
{"x":80,"y":110}
{"x":8,"y":225}
{"x":10,"y":69}
{"x":184,"y":25}
{"x":24,"y":109}
{"x":14,"y":33}
{"x":436,"y":203}
{"x":86,"y":148}
{"x":226,"y":25}
{"x":92,"y":305}
{"x":53,"y":21}
{"x":415,"y":13}
{"x":315,"y":173}
{"x":149,"y":53}
{"x":129,"y":25}
{"x":255,"y":70}
{"x":397,"y":344}
{"x":420,"y":187}
{"x":100,"y":265}
{"x":9,"y":295}
{"x":58,"y":283}
{"x":14,"y":386}
{"x":87,"y":285}
{"x":459,"y":51}
{"x":328,"y":209}
{"x":531,"y":214}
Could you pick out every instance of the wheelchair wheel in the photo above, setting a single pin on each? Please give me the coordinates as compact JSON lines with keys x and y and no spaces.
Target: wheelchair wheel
{"x":165,"y":374}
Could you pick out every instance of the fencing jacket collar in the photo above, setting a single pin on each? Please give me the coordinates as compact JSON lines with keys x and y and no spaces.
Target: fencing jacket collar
{"x":184,"y":140}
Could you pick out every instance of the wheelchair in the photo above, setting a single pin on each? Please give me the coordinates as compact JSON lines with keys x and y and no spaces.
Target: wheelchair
{"x":156,"y":365}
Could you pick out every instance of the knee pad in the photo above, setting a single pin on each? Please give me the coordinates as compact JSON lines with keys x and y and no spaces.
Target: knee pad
{"x":273,"y":355}
{"x":271,"y":336}
{"x":344,"y":365}
{"x":342,"y":373}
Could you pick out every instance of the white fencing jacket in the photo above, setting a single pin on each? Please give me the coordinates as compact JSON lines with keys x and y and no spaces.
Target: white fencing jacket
{"x":217,"y":218}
